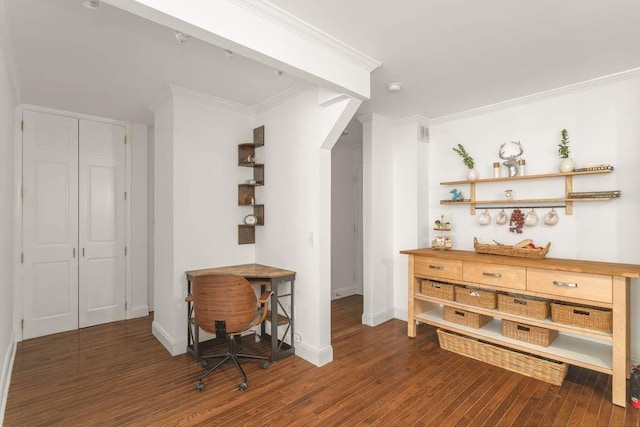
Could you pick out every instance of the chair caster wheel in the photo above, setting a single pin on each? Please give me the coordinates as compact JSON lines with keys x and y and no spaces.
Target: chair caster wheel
{"x":242,"y":386}
{"x":264,"y":365}
{"x":200,"y":386}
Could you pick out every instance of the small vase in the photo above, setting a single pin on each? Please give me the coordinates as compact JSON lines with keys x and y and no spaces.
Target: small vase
{"x":472,"y":174}
{"x":567,"y":165}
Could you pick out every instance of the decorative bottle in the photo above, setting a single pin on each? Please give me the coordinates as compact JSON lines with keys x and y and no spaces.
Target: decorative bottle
{"x":496,"y":169}
{"x":521,"y":165}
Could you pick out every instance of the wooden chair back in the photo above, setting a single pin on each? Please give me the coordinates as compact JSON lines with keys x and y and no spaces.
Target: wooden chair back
{"x":224,"y":297}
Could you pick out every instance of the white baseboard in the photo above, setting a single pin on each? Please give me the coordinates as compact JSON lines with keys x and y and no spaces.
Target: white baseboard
{"x":174,"y":347}
{"x":375,"y":319}
{"x":5,"y":379}
{"x":400,"y":314}
{"x":314,"y":355}
{"x":139,"y":311}
{"x":343,"y":292}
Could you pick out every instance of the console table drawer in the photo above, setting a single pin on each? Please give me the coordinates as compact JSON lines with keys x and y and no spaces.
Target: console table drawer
{"x":504,"y":276}
{"x":438,"y":267}
{"x":593,"y":287}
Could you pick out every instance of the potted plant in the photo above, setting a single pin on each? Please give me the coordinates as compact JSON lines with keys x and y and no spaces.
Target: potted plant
{"x":472,"y":174}
{"x":566,"y":164}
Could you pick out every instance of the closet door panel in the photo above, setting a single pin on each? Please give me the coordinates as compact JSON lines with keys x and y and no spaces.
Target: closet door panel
{"x":50,"y":224}
{"x":102,"y":223}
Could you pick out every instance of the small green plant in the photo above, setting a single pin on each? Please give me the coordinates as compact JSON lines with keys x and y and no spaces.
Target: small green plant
{"x":563,"y":147}
{"x":466,"y":158}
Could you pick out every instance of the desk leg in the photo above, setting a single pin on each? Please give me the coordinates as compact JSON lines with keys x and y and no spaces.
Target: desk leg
{"x":279,"y":348}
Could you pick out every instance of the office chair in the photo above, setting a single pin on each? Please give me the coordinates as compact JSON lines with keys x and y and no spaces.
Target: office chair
{"x":226,"y":305}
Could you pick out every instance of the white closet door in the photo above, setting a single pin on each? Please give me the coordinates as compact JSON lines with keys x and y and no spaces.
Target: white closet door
{"x":50,"y":224}
{"x":102,"y":223}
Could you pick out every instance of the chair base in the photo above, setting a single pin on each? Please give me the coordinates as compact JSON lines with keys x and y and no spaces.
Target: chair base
{"x":230,"y":355}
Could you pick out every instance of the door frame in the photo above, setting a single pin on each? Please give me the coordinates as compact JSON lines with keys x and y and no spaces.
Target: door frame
{"x":18,"y":214}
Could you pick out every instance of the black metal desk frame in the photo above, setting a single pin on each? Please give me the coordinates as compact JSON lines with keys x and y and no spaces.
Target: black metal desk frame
{"x":279,"y":316}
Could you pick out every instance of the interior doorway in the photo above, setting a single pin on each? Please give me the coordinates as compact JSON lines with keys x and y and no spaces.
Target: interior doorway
{"x":346,"y":213}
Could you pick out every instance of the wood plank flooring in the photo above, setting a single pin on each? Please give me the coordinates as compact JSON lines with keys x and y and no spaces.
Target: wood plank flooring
{"x":119,"y":375}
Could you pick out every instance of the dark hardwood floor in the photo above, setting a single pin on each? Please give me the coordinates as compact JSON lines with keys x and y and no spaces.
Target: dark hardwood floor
{"x":118,"y":374}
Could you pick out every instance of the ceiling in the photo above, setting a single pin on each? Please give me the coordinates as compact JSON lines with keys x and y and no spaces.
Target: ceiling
{"x":450,"y":56}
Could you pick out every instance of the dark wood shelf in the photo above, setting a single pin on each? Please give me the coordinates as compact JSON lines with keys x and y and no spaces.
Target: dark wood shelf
{"x":246,"y":191}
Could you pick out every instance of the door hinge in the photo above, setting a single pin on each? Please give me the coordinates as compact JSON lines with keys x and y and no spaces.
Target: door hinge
{"x":22,"y":324}
{"x":125,"y":195}
{"x":125,"y":250}
{"x":22,"y":125}
{"x":125,"y":140}
{"x":22,"y":258}
{"x":22,"y":191}
{"x":125,"y":306}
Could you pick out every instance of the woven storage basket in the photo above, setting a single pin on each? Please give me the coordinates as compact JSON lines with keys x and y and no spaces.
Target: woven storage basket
{"x":476,"y":297}
{"x":438,"y":290}
{"x":506,"y":250}
{"x":466,"y":318}
{"x":532,"y":366}
{"x":523,"y":306}
{"x":585,"y":317}
{"x":528,"y":333}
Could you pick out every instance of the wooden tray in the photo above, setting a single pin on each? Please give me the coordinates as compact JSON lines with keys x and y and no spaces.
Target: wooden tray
{"x":505,"y":250}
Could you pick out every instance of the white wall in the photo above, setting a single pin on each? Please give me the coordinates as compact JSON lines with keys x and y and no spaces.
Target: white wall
{"x":346,"y":158}
{"x":7,"y":193}
{"x":299,"y":135}
{"x":602,"y":121}
{"x":139,"y":221}
{"x":196,"y":201}
{"x":150,"y":219}
{"x":390,"y":195}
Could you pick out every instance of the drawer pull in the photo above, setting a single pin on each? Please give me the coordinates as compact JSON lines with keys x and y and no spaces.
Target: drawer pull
{"x":524,"y":328}
{"x":565,"y":284}
{"x":436,"y":267}
{"x":498,"y":275}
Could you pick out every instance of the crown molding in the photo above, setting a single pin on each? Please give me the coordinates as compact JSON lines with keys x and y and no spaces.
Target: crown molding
{"x":175,"y":90}
{"x":552,"y":93}
{"x":416,"y":119}
{"x":6,"y":48}
{"x":283,"y":96}
{"x":297,"y":26}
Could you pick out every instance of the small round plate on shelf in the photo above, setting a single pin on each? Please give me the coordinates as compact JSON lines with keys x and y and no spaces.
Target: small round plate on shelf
{"x":251,"y":219}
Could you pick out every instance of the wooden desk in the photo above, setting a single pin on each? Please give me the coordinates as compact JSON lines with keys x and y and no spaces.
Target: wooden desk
{"x":266,"y":277}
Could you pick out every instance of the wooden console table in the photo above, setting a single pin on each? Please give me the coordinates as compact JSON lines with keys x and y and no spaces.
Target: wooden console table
{"x":266,"y":277}
{"x":586,"y":283}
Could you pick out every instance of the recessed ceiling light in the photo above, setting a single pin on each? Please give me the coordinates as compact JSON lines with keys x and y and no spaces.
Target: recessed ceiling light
{"x":91,"y":4}
{"x":394,"y":87}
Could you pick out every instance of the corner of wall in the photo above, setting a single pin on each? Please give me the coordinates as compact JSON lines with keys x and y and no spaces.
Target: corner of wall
{"x":5,"y":378}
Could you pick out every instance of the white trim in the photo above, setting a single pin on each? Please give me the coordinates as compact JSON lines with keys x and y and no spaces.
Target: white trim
{"x":5,"y":378}
{"x":139,"y":311}
{"x":72,"y":114}
{"x":17,"y":221}
{"x":318,"y":357}
{"x":211,"y":100}
{"x":308,"y":32}
{"x":375,"y":319}
{"x":538,"y":96}
{"x":416,"y":119}
{"x":285,"y":95}
{"x":128,"y":273}
{"x":7,"y":49}
{"x":400,"y":313}
{"x":344,"y":292}
{"x":174,"y":347}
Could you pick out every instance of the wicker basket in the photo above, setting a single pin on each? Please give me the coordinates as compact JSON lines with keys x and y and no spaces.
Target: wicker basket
{"x":466,"y":318}
{"x":476,"y":297}
{"x":482,"y":248}
{"x":584,"y":317}
{"x":524,"y":306}
{"x":532,"y":366}
{"x":531,"y":334}
{"x":438,"y":290}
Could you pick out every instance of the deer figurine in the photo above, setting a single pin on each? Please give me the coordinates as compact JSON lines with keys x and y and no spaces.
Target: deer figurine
{"x":511,"y":162}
